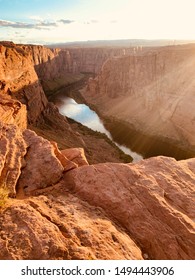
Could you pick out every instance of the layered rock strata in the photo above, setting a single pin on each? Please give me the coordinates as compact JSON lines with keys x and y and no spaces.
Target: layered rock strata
{"x":29,"y":162}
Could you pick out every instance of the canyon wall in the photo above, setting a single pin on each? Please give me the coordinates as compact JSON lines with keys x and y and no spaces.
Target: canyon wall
{"x":74,"y":60}
{"x":25,"y":71}
{"x":153,"y":91}
{"x":60,"y":67}
{"x":19,"y":79}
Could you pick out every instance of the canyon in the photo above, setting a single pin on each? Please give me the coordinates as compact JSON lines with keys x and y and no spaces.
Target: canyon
{"x":151,"y":91}
{"x":70,"y":192}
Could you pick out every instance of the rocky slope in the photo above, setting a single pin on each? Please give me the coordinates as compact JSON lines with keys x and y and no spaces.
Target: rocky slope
{"x":56,"y":225}
{"x":152,"y":91}
{"x":67,"y":209}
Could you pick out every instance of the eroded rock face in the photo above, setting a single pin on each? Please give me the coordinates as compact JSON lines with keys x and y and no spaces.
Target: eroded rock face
{"x":153,"y":91}
{"x":154,"y":200}
{"x":12,"y":153}
{"x":62,"y":227}
{"x":42,"y":167}
{"x":66,"y":163}
{"x":19,"y":79}
{"x":54,"y":63}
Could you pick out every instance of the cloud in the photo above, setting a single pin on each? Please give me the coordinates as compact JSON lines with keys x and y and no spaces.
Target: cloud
{"x":49,"y":24}
{"x":39,"y":25}
{"x":66,"y":21}
{"x":5,"y":23}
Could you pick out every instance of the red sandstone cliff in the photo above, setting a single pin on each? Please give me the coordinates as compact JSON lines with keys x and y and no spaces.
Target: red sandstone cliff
{"x":63,"y":66}
{"x":24,"y":70}
{"x":19,"y":79}
{"x":81,"y":211}
{"x":153,"y":91}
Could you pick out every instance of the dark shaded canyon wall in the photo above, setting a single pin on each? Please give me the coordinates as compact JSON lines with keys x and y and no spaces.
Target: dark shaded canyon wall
{"x":20,"y":82}
{"x":153,"y":91}
{"x":57,"y":67}
{"x":25,"y":71}
{"x":55,"y":63}
{"x":19,"y":79}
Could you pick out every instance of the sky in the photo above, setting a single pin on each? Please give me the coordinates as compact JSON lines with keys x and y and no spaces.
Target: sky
{"x":52,"y":21}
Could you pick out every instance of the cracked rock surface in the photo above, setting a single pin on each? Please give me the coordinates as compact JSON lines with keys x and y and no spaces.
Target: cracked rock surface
{"x":154,"y":200}
{"x":62,"y":227}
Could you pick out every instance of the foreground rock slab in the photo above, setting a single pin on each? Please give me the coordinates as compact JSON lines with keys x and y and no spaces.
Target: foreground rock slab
{"x":62,"y":227}
{"x":154,"y":200}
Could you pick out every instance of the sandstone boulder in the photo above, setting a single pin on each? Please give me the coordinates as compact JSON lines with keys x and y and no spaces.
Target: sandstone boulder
{"x":66,"y":163}
{"x":42,"y":168}
{"x":77,"y":155}
{"x":29,"y":162}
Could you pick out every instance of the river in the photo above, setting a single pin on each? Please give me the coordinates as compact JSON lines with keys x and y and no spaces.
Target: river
{"x":82,"y":113}
{"x":130,"y":141}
